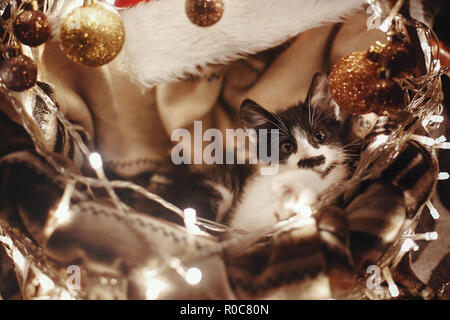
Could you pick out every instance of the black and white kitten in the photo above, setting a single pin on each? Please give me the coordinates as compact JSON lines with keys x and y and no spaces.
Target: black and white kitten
{"x":311,"y":159}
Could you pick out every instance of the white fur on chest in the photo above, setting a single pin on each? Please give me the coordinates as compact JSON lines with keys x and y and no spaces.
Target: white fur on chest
{"x":263,"y":199}
{"x":257,"y":206}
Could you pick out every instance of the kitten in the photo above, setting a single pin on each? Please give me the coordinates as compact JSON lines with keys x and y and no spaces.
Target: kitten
{"x":311,"y":159}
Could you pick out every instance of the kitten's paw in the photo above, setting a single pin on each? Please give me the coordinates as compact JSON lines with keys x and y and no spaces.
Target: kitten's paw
{"x":296,"y":192}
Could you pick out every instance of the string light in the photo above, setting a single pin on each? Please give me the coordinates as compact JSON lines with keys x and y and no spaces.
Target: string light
{"x":393,"y":290}
{"x":443,"y":176}
{"x":434,"y":213}
{"x":444,"y":145}
{"x":190,"y":221}
{"x":424,"y":140}
{"x":190,"y":218}
{"x":154,"y":288}
{"x":193,"y":276}
{"x":62,"y":213}
{"x":439,"y":143}
{"x":437,"y":119}
{"x":379,"y":141}
{"x":95,"y":160}
{"x":46,"y":283}
{"x":392,"y":287}
{"x":19,"y":259}
{"x":65,"y":295}
{"x":298,"y":206}
{"x":428,"y":236}
{"x":305,"y":211}
{"x":7,"y":241}
{"x":409,"y":244}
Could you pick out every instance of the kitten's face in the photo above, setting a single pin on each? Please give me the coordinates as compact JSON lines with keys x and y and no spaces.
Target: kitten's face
{"x":310,"y":134}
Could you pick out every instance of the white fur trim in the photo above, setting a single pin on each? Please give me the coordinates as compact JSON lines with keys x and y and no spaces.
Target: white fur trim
{"x":162,"y":45}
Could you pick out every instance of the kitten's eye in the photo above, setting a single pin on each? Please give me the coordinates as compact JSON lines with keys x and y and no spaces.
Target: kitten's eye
{"x":286,"y":147}
{"x":319,"y":136}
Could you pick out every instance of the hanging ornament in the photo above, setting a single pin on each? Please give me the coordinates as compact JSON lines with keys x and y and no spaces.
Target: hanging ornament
{"x":364,"y":82}
{"x":350,"y":79}
{"x":31,"y":27}
{"x":92,"y":35}
{"x":204,"y":13}
{"x":18,"y":73}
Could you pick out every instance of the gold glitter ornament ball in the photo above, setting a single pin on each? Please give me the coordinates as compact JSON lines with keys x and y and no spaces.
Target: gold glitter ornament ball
{"x":349,"y":80}
{"x":204,"y":13}
{"x":92,"y":35}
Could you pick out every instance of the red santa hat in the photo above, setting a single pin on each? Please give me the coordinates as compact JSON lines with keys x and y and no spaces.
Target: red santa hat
{"x":163,"y":45}
{"x":128,"y":3}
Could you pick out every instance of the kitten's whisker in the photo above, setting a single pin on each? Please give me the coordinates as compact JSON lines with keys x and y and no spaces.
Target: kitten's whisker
{"x":313,"y":118}
{"x":352,"y":154}
{"x":284,"y":130}
{"x":320,"y":116}
{"x":309,"y":113}
{"x":319,"y":119}
{"x":355,"y":142}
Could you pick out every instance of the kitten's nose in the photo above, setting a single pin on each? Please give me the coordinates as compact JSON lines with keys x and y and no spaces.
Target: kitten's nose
{"x":311,"y":162}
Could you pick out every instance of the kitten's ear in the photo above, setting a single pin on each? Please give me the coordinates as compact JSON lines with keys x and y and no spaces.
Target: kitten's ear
{"x":319,"y":97}
{"x":253,"y":115}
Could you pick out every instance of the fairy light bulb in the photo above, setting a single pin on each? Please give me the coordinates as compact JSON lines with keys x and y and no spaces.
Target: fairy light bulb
{"x":6,"y":240}
{"x":46,"y":283}
{"x":66,"y":296}
{"x":393,"y":290}
{"x":305,"y":211}
{"x":379,"y":141}
{"x":433,"y":118}
{"x":409,"y":244}
{"x":193,"y":276}
{"x":392,"y":287}
{"x":437,"y":118}
{"x":424,"y":140}
{"x":95,"y":160}
{"x":62,"y":213}
{"x":19,"y":259}
{"x":298,"y":206}
{"x":428,"y":236}
{"x":443,"y":176}
{"x":190,"y":218}
{"x":154,"y":288}
{"x":444,"y":145}
{"x":441,"y":143}
{"x":190,"y":221}
{"x":434,"y":213}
